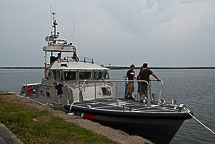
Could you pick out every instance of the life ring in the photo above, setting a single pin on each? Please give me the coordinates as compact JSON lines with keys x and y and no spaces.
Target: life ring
{"x":47,"y":73}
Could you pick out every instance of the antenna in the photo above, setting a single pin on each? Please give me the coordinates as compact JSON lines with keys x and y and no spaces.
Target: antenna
{"x":70,"y":35}
{"x":73,"y":34}
{"x":54,"y":24}
{"x":50,"y":16}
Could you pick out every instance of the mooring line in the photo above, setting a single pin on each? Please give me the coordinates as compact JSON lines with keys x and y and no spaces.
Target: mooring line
{"x":200,"y":122}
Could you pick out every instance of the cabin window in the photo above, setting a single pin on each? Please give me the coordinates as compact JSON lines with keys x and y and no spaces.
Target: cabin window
{"x":84,"y":75}
{"x":97,"y":75}
{"x":63,"y":65}
{"x":48,"y":94}
{"x":70,"y":75}
{"x":56,"y":75}
{"x":106,"y":91}
{"x":106,"y":75}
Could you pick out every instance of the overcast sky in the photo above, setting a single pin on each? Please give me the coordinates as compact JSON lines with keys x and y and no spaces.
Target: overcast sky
{"x":116,"y":32}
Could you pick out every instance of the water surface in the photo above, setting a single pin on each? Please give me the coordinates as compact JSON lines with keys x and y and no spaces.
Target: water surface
{"x":194,"y":88}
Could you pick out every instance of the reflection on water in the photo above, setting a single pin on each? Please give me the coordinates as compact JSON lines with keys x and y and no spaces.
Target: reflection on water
{"x":194,"y":88}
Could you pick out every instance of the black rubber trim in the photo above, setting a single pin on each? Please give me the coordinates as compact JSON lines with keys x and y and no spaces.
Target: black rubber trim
{"x":148,"y":115}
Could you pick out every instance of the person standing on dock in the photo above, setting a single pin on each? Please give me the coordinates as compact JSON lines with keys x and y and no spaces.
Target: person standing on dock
{"x":144,"y":74}
{"x":130,"y":75}
{"x":59,"y":91}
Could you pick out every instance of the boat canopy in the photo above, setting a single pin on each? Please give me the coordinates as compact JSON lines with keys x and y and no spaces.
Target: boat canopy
{"x":73,"y":65}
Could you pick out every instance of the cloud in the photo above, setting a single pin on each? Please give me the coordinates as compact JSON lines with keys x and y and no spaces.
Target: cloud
{"x":149,"y":16}
{"x":189,"y":22}
{"x":172,"y":28}
{"x":139,"y":15}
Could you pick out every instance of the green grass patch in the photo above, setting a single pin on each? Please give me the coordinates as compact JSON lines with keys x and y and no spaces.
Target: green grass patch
{"x":32,"y":125}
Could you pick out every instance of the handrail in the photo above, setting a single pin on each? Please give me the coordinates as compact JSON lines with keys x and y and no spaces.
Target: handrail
{"x":149,"y":93}
{"x":113,"y":80}
{"x":161,"y":91}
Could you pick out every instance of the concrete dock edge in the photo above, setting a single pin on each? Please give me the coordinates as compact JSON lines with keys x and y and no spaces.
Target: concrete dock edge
{"x":7,"y":137}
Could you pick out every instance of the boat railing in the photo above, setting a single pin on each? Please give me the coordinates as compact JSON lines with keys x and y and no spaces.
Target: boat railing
{"x":160,"y":92}
{"x":82,"y":84}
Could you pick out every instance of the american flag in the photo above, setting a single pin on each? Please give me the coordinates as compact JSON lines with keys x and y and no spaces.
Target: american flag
{"x":49,"y":38}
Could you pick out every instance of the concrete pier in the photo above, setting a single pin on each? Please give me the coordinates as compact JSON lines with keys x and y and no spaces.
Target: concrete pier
{"x":7,"y":137}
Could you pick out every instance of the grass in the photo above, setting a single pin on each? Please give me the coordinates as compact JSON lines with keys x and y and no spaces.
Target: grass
{"x":34,"y":126}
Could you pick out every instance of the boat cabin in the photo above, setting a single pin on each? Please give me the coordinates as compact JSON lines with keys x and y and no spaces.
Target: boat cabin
{"x":70,"y":68}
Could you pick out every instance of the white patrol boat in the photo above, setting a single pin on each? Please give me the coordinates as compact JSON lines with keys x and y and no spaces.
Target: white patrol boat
{"x":69,"y":70}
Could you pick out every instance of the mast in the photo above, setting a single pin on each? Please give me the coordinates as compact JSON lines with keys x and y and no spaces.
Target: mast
{"x":54,"y":33}
{"x":55,"y":44}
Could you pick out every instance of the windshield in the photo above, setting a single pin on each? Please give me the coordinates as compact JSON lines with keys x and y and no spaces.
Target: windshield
{"x":70,"y":75}
{"x":84,"y":75}
{"x":57,"y":75}
{"x":98,"y":75}
{"x":106,"y":75}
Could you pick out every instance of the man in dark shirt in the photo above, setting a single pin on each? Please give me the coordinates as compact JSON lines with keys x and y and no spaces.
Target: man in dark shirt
{"x":59,"y":91}
{"x":130,"y":75}
{"x":144,"y":74}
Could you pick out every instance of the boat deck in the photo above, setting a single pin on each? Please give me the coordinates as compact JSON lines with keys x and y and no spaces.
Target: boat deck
{"x":119,"y":107}
{"x":121,"y":104}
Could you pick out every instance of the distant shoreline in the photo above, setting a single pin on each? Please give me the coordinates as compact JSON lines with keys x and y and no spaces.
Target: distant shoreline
{"x":16,"y":67}
{"x":116,"y":67}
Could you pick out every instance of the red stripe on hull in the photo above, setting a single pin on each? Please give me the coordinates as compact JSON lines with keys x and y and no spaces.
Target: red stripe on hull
{"x":89,"y":116}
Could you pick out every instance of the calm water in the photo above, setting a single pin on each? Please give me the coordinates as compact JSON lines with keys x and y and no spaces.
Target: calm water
{"x":194,"y":88}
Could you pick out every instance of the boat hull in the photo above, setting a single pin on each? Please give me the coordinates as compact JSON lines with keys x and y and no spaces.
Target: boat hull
{"x":158,"y":124}
{"x":159,"y":131}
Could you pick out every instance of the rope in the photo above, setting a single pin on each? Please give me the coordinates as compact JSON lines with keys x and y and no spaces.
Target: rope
{"x":200,"y":122}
